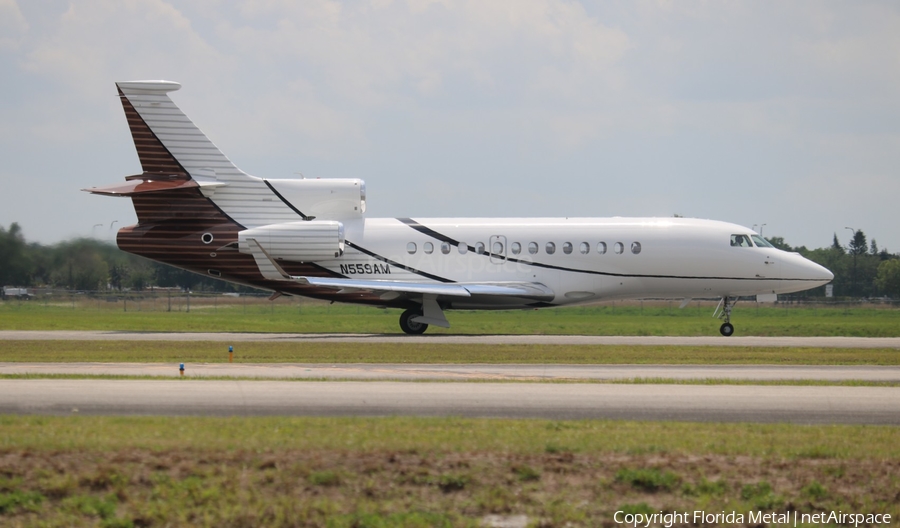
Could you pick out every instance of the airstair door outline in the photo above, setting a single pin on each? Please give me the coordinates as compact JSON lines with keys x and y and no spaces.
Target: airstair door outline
{"x":497,"y":249}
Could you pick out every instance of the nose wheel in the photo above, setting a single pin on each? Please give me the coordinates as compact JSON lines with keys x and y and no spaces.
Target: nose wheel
{"x":726,"y":329}
{"x":727,"y":303}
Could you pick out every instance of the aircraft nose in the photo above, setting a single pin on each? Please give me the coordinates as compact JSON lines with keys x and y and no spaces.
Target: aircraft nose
{"x":816,"y":272}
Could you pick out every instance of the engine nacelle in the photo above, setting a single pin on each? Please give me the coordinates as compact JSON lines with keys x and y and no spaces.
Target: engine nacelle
{"x":328,"y":199}
{"x":297,"y":241}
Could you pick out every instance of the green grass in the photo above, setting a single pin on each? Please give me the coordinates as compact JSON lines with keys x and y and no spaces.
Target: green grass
{"x":401,"y":471}
{"x":424,"y":472}
{"x":99,"y":433}
{"x":322,"y":352}
{"x":658,"y":318}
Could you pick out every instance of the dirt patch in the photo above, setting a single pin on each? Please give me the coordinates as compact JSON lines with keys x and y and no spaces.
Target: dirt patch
{"x":140,"y":487}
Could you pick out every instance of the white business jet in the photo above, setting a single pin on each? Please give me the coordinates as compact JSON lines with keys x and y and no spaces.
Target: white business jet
{"x":196,"y":210}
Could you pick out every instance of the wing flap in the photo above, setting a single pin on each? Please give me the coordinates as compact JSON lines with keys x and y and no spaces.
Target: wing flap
{"x":451,"y":290}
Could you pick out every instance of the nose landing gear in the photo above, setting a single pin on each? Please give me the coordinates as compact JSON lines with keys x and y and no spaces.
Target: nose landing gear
{"x":727,"y":303}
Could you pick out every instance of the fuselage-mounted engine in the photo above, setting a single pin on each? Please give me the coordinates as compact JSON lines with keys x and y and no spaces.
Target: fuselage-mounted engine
{"x":302,"y":241}
{"x":326,"y":199}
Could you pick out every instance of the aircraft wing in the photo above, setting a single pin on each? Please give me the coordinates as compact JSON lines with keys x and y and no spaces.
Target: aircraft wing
{"x":270,"y":269}
{"x":527,"y":290}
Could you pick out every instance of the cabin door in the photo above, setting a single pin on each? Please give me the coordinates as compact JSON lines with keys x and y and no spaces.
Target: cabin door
{"x":497,"y":249}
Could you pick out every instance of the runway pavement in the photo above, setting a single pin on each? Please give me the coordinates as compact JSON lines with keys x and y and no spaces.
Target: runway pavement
{"x":402,"y":389}
{"x":796,"y":404}
{"x":469,"y":372}
{"x":738,"y":341}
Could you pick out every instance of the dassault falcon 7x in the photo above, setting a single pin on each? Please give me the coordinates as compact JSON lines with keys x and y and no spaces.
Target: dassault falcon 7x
{"x":196,"y":210}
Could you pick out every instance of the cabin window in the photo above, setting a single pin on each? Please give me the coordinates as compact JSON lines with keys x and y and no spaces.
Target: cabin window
{"x":740,"y":241}
{"x":584,"y":248}
{"x":635,"y":247}
{"x":463,"y":248}
{"x":411,"y":248}
{"x":619,"y":248}
{"x":445,"y":247}
{"x":550,"y":248}
{"x":601,"y":248}
{"x":516,"y":248}
{"x":497,"y":248}
{"x":428,"y":248}
{"x":567,"y":248}
{"x":532,"y":248}
{"x":479,"y":248}
{"x":761,"y":242}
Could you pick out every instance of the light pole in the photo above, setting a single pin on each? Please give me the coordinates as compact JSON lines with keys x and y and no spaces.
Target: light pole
{"x":93,"y":229}
{"x":761,"y":226}
{"x":853,"y":275}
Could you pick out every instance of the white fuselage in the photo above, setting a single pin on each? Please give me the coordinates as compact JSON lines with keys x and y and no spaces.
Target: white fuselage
{"x":592,"y":258}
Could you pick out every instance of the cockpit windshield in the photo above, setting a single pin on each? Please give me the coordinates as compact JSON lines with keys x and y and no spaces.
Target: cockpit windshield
{"x":740,"y":241}
{"x":761,"y":242}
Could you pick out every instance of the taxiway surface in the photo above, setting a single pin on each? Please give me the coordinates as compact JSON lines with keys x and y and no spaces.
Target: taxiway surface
{"x":726,"y":403}
{"x":737,"y":341}
{"x":468,"y":372}
{"x":397,"y":391}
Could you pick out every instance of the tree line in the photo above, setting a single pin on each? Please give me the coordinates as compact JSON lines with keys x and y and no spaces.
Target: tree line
{"x":861,"y":269}
{"x":86,"y":264}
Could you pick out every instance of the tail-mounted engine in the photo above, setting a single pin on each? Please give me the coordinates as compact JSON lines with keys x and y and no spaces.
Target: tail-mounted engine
{"x":331,"y":199}
{"x":302,"y":241}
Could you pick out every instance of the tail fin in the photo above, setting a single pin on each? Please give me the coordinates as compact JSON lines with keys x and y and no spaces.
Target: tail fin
{"x":171,"y":146}
{"x":165,"y":138}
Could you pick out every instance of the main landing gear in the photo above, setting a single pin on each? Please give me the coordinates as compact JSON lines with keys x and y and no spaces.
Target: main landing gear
{"x":411,"y":327}
{"x":727,"y":303}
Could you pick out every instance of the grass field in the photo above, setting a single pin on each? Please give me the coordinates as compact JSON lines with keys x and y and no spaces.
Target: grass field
{"x":659,"y":318}
{"x":96,"y":471}
{"x":321,"y":352}
{"x":424,"y":472}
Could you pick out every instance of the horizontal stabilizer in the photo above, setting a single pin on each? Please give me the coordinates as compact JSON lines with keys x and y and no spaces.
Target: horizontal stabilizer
{"x":152,"y":182}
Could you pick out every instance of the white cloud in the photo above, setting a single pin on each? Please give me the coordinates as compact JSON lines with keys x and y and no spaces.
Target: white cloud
{"x":13,"y":25}
{"x":95,"y":43}
{"x":548,"y":59}
{"x":644,"y":107}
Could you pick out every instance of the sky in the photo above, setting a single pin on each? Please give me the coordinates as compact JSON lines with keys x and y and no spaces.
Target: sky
{"x":772,"y":113}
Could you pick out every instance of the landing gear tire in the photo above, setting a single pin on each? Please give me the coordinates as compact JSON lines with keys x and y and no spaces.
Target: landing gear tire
{"x":727,"y":329}
{"x":411,"y":327}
